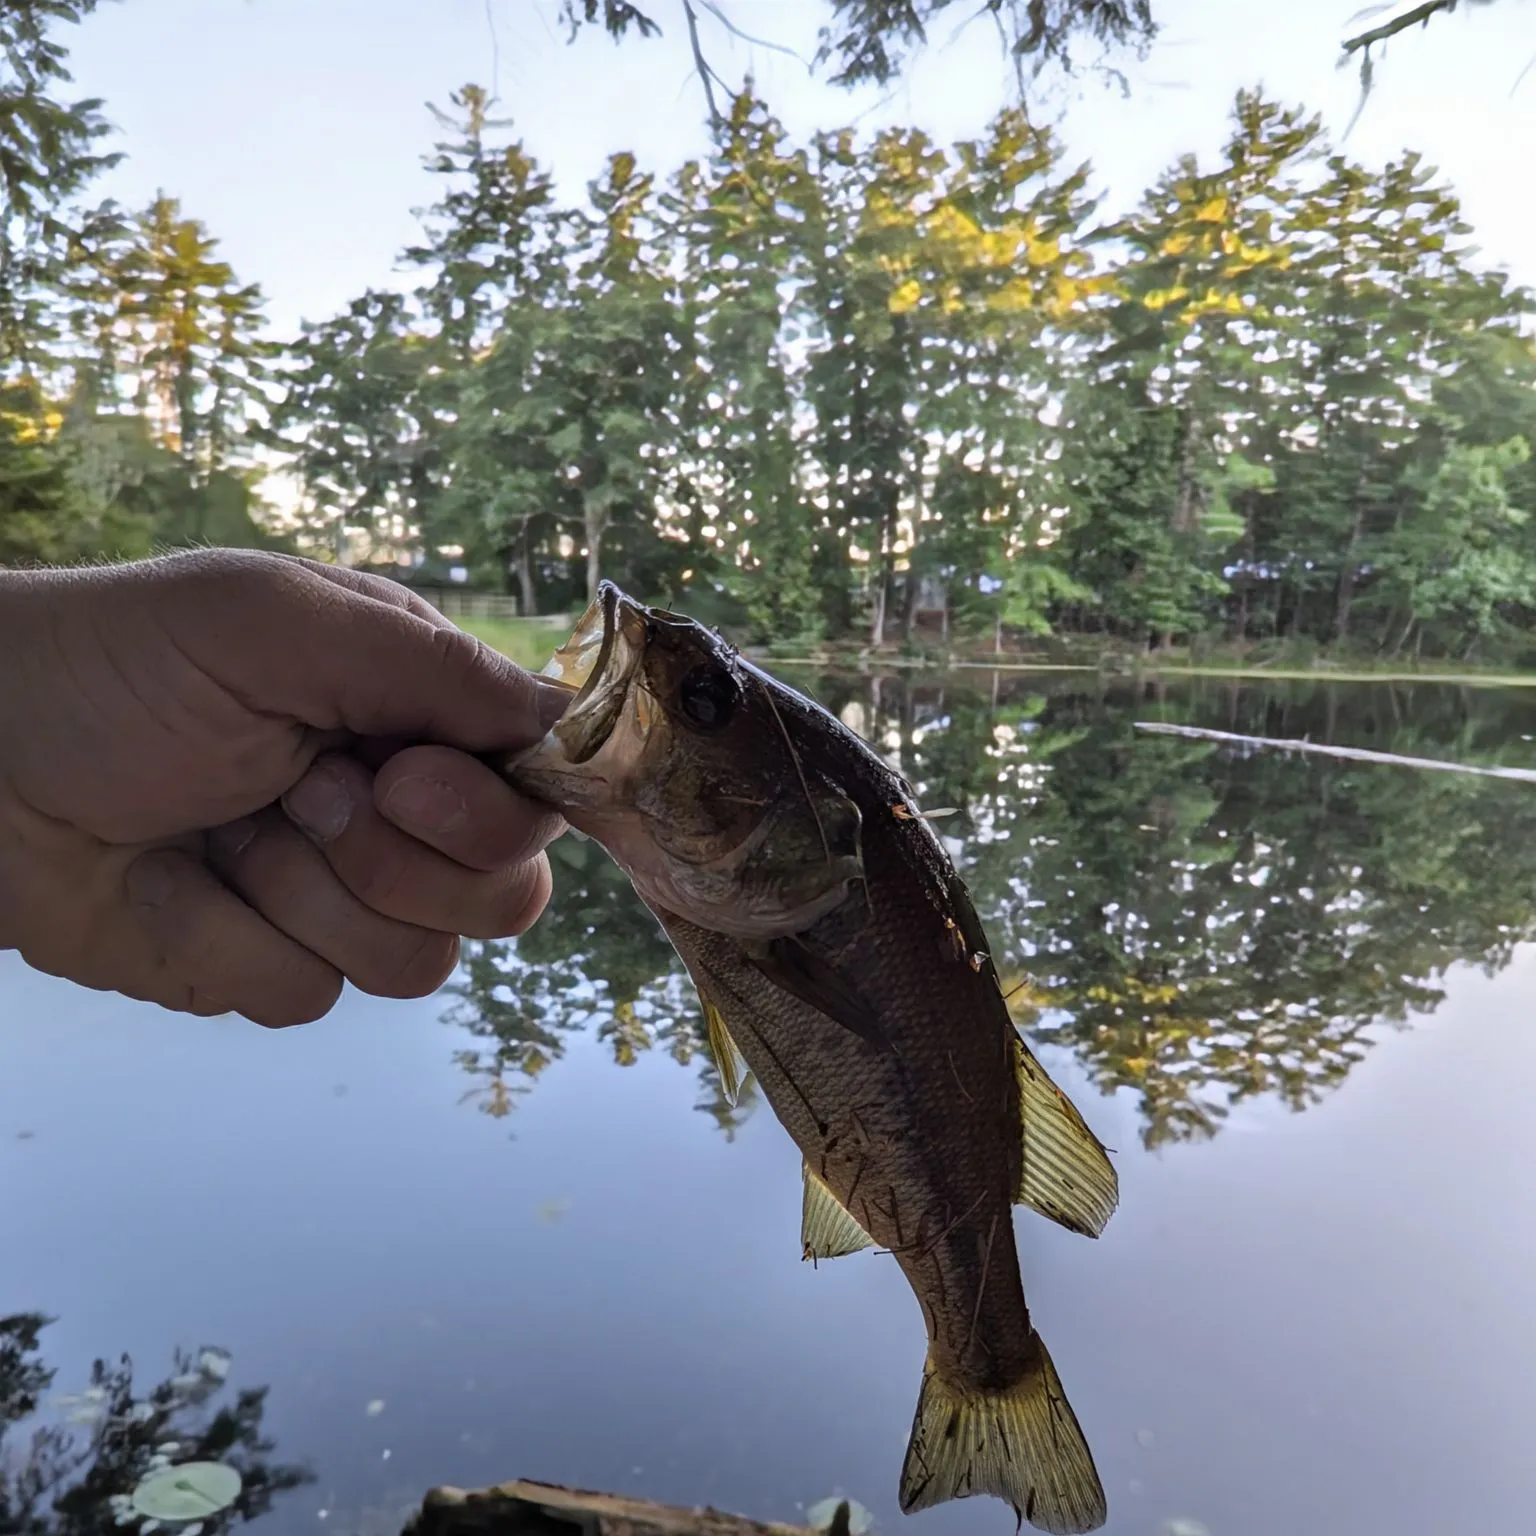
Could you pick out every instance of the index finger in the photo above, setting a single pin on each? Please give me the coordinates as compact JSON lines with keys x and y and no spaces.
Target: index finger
{"x":458,"y":805}
{"x":321,"y":651}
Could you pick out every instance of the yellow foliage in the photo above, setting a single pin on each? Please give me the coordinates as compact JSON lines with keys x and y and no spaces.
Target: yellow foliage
{"x":906,"y":297}
{"x":1219,"y":304}
{"x":1043,"y":253}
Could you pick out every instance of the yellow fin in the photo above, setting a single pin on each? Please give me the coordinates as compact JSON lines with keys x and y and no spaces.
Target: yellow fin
{"x":1068,"y":1176}
{"x":723,"y":1049}
{"x":827,"y":1231}
{"x":1022,"y":1445}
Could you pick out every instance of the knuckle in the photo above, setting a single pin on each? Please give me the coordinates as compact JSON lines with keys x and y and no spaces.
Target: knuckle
{"x":526,"y":902}
{"x":462,"y":658}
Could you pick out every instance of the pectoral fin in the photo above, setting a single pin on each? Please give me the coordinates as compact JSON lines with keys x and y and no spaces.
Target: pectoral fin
{"x":722,"y":1049}
{"x":827,"y":1231}
{"x":1068,"y":1176}
{"x":798,"y":970}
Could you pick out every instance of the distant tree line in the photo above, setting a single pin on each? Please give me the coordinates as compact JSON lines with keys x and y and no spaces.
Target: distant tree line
{"x":865,"y":388}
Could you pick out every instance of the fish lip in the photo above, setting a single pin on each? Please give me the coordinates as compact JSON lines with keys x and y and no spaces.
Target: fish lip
{"x":589,"y":720}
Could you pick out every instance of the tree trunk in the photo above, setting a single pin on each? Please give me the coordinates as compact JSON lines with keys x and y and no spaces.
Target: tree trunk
{"x":909,"y":594}
{"x":1186,"y":497}
{"x":596,"y":525}
{"x":517,"y":561}
{"x":877,"y":623}
{"x":1347,"y":576}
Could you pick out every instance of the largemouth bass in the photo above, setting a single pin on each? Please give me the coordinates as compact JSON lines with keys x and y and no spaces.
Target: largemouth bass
{"x":835,"y":950}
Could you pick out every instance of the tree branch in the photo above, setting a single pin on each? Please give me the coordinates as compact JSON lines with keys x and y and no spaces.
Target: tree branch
{"x":701,"y":64}
{"x":1418,"y":16}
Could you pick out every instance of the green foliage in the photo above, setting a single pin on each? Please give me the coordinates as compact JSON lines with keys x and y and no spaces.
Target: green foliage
{"x":131,"y":364}
{"x":857,"y":389}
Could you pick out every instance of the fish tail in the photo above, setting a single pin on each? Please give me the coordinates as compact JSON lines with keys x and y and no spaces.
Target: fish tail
{"x":1021,"y":1444}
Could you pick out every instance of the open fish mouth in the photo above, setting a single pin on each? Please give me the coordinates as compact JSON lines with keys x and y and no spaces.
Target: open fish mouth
{"x":599,"y":662}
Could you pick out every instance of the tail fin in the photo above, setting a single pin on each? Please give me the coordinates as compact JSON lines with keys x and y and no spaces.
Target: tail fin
{"x":1022,"y":1445}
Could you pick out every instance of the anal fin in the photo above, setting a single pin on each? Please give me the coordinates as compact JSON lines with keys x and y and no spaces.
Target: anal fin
{"x":827,"y":1231}
{"x":1068,"y":1176}
{"x":1022,"y":1445}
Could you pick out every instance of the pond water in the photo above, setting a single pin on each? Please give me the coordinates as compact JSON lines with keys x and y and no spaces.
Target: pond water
{"x":515,"y":1229}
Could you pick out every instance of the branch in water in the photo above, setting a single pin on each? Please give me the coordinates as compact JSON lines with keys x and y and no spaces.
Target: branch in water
{"x":1323,"y":749}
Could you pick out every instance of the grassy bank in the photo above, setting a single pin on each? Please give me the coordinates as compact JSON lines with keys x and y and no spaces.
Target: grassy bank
{"x":529,"y":642}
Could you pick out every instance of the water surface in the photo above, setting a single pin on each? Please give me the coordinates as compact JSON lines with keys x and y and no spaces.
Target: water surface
{"x":516,"y":1230}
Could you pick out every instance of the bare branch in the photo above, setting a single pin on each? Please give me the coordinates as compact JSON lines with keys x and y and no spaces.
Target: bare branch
{"x":757,"y":42}
{"x":1418,"y":16}
{"x":701,"y":64}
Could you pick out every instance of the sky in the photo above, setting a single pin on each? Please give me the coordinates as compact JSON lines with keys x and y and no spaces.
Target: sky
{"x":294,"y":129}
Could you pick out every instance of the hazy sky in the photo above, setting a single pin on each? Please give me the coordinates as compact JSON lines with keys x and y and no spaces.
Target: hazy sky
{"x":294,"y":128}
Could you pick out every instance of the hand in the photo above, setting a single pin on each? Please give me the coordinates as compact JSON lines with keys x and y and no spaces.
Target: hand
{"x":229,"y":780}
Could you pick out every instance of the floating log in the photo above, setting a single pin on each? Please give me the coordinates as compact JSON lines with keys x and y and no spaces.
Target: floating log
{"x":524,"y":1508}
{"x":1322,"y":749}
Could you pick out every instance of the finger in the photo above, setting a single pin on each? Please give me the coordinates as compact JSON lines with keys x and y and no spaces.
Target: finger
{"x":316,"y":649}
{"x":282,"y":875}
{"x":367,"y":584}
{"x":207,"y":940}
{"x":462,"y":808}
{"x":400,"y":877}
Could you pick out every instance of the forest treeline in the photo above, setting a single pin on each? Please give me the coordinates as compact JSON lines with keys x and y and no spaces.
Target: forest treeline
{"x":863,"y":387}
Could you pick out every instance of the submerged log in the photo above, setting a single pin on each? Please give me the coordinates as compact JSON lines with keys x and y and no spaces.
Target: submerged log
{"x":546,"y":1509}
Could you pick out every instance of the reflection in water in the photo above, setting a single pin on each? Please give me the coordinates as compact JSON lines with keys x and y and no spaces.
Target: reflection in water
{"x":596,"y":960}
{"x":1199,"y":926}
{"x":74,"y":1475}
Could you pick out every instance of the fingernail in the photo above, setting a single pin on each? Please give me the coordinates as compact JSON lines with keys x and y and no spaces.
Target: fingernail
{"x":426,"y":803}
{"x":150,"y":880}
{"x":550,"y":701}
{"x":233,"y":838}
{"x":321,"y":804}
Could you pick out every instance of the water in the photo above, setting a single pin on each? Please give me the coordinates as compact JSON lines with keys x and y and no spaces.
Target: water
{"x":1293,"y":994}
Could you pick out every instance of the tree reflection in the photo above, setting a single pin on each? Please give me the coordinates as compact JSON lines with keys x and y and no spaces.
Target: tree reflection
{"x":73,"y":1477}
{"x":1204,"y":927}
{"x":596,"y":961}
{"x":1198,"y":925}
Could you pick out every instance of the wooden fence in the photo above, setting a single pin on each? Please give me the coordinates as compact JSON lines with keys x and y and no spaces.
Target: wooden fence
{"x":456,"y":603}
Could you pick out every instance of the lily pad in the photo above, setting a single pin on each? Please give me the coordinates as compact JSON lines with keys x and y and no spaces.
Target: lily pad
{"x":192,"y":1491}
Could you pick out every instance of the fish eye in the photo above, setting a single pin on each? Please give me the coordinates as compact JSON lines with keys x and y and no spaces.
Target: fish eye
{"x":709,"y":696}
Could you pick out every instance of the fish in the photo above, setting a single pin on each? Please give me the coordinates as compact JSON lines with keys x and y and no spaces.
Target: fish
{"x":838,"y":957}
